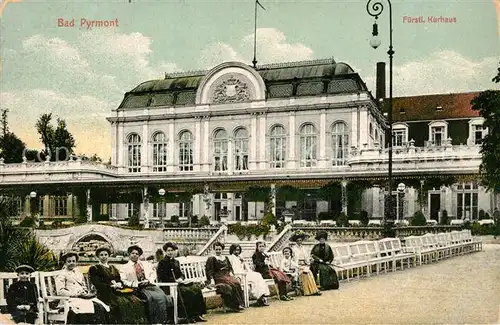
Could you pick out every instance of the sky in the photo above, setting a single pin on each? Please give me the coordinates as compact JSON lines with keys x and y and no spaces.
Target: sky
{"x":80,"y":74}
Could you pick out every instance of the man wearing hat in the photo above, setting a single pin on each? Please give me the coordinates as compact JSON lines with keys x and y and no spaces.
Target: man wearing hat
{"x":22,"y":297}
{"x":191,"y":301}
{"x":141,"y":276}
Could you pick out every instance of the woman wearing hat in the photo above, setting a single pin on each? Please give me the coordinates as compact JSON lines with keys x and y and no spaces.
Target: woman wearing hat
{"x":322,"y":255}
{"x":140,"y":276}
{"x":125,"y":307}
{"x":192,"y":304}
{"x":219,"y":270}
{"x":303,"y":259}
{"x":85,"y":308}
{"x":22,"y":297}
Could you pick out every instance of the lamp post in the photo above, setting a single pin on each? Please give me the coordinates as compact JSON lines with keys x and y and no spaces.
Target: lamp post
{"x":162,"y":192}
{"x":374,"y":9}
{"x":33,"y":203}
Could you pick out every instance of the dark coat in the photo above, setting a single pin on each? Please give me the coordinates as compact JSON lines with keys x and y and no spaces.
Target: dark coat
{"x":22,"y":293}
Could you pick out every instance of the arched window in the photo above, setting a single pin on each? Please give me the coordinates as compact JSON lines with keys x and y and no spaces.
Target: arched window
{"x":185,"y":151}
{"x":159,"y":152}
{"x":277,"y":147}
{"x":134,"y":153}
{"x":308,"y":145}
{"x":340,"y":143}
{"x":241,"y":149}
{"x":220,"y":150}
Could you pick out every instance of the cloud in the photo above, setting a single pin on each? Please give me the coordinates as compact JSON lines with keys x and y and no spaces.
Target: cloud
{"x":272,"y":47}
{"x":91,"y":131}
{"x":441,"y":72}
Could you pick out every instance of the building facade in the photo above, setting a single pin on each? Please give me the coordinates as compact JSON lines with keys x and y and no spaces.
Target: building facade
{"x":196,"y":143}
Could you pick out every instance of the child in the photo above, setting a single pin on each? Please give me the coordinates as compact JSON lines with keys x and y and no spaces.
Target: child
{"x":290,"y":268}
{"x":22,"y":297}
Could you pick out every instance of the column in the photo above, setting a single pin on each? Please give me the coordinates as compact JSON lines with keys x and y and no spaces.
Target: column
{"x":322,"y":140}
{"x":145,"y":207}
{"x":262,"y":142}
{"x":291,"y":141}
{"x":230,"y":156}
{"x":363,"y":127}
{"x":171,"y":147}
{"x":376,"y":202}
{"x":89,"y":206}
{"x":145,"y":148}
{"x":206,"y":145}
{"x":354,"y":128}
{"x":197,"y":152}
{"x":344,"y":196}
{"x":114,"y":144}
{"x":207,"y":200}
{"x":76,"y":206}
{"x":230,"y":206}
{"x":119,"y":146}
{"x":252,"y":161}
{"x":273,"y":198}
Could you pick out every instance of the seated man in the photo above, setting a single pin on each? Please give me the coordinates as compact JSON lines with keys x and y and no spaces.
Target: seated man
{"x":22,"y":297}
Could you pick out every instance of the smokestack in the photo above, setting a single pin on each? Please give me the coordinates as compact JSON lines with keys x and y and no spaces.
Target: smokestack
{"x":380,"y":91}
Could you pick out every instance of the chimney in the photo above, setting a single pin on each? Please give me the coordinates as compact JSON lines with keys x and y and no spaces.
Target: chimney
{"x":380,"y":83}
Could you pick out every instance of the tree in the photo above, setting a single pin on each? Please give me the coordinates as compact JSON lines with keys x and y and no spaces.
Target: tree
{"x":497,"y":77}
{"x":11,"y":147}
{"x":94,"y":158}
{"x":58,"y":141}
{"x":488,"y":105}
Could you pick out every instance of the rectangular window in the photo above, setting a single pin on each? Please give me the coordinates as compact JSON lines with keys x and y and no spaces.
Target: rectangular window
{"x":467,"y":201}
{"x":437,"y":133}
{"x":61,"y":205}
{"x":132,"y":209}
{"x":478,"y":134}
{"x":398,"y":137}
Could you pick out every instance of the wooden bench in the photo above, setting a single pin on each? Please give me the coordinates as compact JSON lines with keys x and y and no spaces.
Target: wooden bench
{"x":6,"y":280}
{"x":48,"y":292}
{"x":393,"y":249}
{"x":193,"y":268}
{"x":473,"y":244}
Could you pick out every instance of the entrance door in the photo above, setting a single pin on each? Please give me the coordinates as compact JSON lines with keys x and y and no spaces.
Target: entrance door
{"x":435,"y":206}
{"x":237,"y":213}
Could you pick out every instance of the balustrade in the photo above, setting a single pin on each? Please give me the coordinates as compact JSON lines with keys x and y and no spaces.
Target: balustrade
{"x":189,"y":234}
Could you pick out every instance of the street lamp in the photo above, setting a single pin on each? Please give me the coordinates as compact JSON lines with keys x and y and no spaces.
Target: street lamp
{"x":33,"y":203}
{"x":375,"y":9}
{"x":162,"y":193}
{"x":401,"y":194}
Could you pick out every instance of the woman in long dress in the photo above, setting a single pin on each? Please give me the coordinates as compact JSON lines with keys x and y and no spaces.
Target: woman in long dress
{"x":85,"y":308}
{"x":218,"y":268}
{"x":303,"y":259}
{"x":322,"y":255}
{"x":140,"y":276}
{"x":192,"y":304}
{"x":126,"y":308}
{"x":258,"y":286}
{"x":262,"y":264}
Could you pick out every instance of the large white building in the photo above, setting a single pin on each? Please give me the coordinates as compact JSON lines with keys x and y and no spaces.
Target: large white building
{"x":210,"y":138}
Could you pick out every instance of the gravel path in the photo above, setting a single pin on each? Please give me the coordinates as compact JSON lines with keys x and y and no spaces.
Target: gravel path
{"x":460,"y":290}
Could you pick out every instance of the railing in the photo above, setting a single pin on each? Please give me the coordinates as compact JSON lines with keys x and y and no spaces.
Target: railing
{"x":421,"y":230}
{"x":281,"y":240}
{"x":219,"y":236}
{"x":56,"y":166}
{"x":189,"y":234}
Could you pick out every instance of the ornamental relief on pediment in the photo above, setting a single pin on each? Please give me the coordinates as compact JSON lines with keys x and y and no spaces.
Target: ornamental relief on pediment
{"x":231,"y":89}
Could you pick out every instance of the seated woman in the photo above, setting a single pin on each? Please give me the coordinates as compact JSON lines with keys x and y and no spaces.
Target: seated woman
{"x":218,"y":268}
{"x":85,"y":308}
{"x":262,"y":265}
{"x":290,"y":268}
{"x":303,"y":259}
{"x":322,"y":255}
{"x":192,"y":304}
{"x":22,"y":297}
{"x":140,"y":276}
{"x":126,"y":308}
{"x":258,"y":286}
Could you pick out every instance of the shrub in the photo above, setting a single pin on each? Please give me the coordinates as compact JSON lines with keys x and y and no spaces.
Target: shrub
{"x":28,"y":222}
{"x":444,"y":217}
{"x":56,"y":224}
{"x":102,"y":217}
{"x":342,"y":220}
{"x":418,"y":219}
{"x":134,"y":221}
{"x":33,"y":253}
{"x":481,"y":214}
{"x":363,"y":217}
{"x":174,"y":219}
{"x":326,"y":216}
{"x":194,"y":220}
{"x":269,"y":219}
{"x":204,"y":221}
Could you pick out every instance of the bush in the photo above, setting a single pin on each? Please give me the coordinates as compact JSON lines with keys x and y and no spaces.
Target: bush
{"x":481,"y":214}
{"x":325,"y":216}
{"x":363,"y":217}
{"x":444,"y":217}
{"x":174,"y":219}
{"x":28,"y":222}
{"x":418,"y":219}
{"x":134,"y":221}
{"x":56,"y":224}
{"x":32,"y":253}
{"x":194,"y":220}
{"x":102,"y":217}
{"x":269,"y":219}
{"x":204,"y":221}
{"x":342,"y":220}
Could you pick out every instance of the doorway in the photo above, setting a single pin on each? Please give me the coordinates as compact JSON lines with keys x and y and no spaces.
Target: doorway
{"x":435,"y":206}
